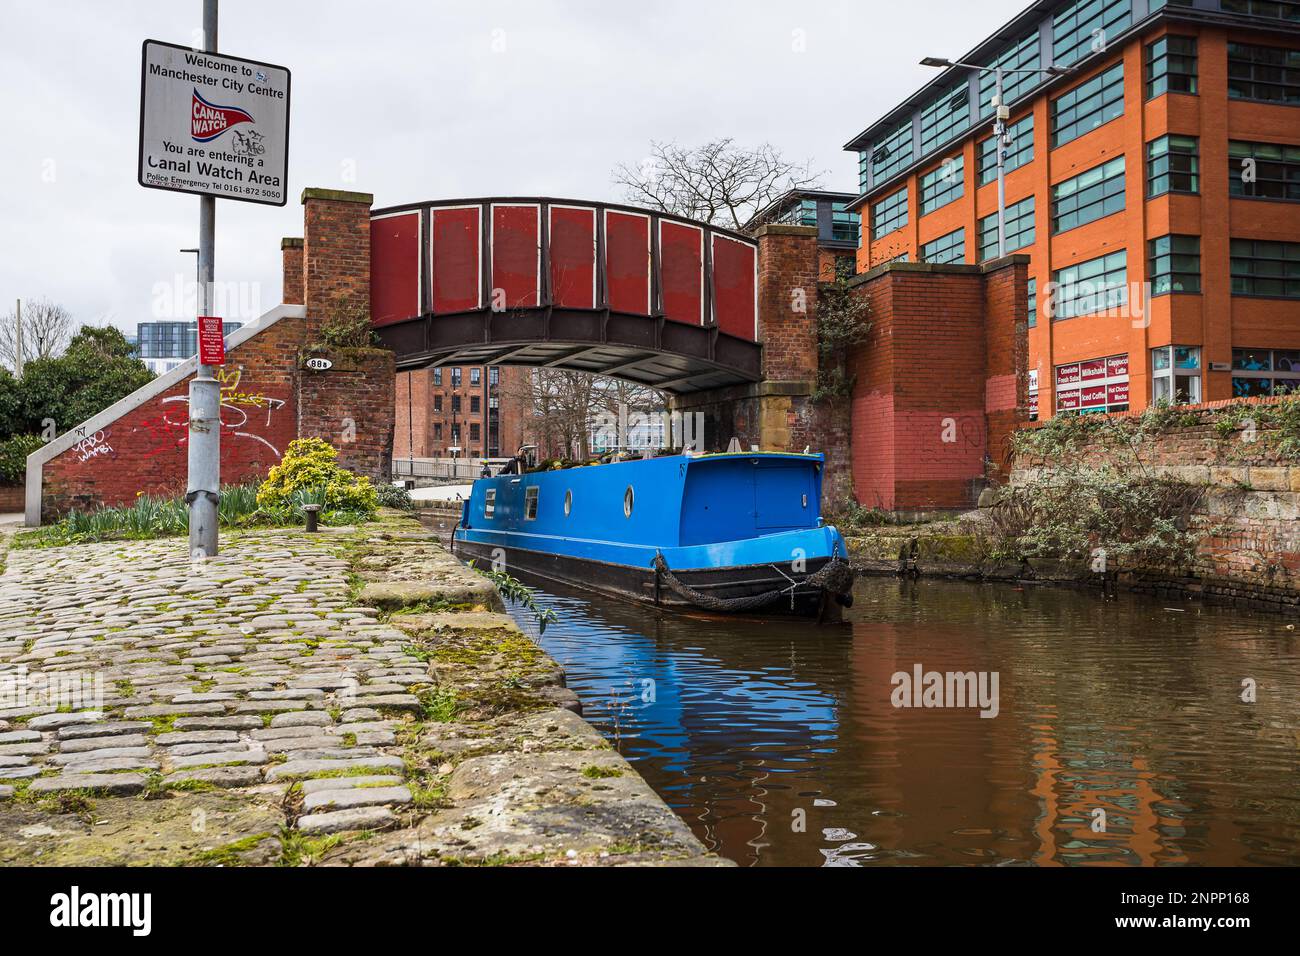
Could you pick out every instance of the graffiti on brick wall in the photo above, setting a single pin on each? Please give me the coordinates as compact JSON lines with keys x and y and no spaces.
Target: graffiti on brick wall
{"x":92,"y":446}
{"x":243,"y":414}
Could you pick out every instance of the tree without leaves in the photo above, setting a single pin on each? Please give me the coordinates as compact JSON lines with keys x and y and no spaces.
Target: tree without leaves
{"x":559,"y":405}
{"x":47,"y":328}
{"x":718,"y":183}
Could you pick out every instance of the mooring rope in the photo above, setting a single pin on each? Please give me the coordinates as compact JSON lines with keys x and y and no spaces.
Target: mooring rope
{"x":835,"y":576}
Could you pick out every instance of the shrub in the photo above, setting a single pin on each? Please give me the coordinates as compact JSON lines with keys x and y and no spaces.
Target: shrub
{"x":310,"y":474}
{"x":13,"y":457}
{"x":394,"y":496}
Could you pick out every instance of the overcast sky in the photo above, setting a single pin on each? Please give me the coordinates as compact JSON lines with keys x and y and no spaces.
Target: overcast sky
{"x":422,"y":100}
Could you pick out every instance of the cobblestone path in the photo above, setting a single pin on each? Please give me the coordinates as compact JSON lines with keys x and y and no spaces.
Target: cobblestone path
{"x":236,"y":709}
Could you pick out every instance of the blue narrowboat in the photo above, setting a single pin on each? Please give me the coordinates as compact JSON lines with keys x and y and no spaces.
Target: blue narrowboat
{"x":727,"y":532}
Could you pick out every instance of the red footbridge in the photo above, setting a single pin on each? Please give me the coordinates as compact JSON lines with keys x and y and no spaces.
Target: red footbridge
{"x":612,"y":290}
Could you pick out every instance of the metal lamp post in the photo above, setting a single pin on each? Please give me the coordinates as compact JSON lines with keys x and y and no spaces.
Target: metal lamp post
{"x":1001,"y":113}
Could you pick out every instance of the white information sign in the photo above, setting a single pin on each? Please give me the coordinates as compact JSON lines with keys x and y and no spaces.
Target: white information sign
{"x":214,"y":125}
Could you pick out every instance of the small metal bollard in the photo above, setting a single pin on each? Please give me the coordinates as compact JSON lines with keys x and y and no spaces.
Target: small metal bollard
{"x":313,"y":514}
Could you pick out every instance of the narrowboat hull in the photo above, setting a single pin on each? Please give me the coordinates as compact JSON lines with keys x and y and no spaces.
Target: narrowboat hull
{"x":737,"y":533}
{"x":645,"y":586}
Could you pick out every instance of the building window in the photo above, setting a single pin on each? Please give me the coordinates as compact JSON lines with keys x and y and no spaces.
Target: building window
{"x":1176,"y":375}
{"x":889,"y":154}
{"x":1098,"y":285}
{"x":1092,"y":195}
{"x":1265,"y":268}
{"x":474,"y":403}
{"x":1032,"y":304}
{"x":889,"y":214}
{"x":949,"y":248}
{"x":1267,"y":9}
{"x":1086,"y":25}
{"x":945,"y":118}
{"x":845,"y":225}
{"x":1264,"y":73}
{"x":530,"y":502}
{"x":494,"y":376}
{"x":1173,"y":165}
{"x":1093,"y":387}
{"x":1021,"y":56}
{"x":1020,"y":229}
{"x":1171,"y":66}
{"x":474,"y":433}
{"x":1174,"y":264}
{"x":437,"y":403}
{"x":801,"y":213}
{"x":943,"y":184}
{"x":1264,"y":372}
{"x":455,"y":403}
{"x":476,"y":376}
{"x":1019,"y":152}
{"x":1263,"y":171}
{"x":437,"y":431}
{"x":437,"y":376}
{"x":1088,"y":106}
{"x":455,"y":377}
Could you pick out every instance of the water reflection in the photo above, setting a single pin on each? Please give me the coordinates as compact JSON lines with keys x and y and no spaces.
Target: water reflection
{"x":1121,"y":738}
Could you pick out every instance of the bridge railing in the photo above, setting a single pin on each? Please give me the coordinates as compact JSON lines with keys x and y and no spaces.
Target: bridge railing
{"x":457,"y":468}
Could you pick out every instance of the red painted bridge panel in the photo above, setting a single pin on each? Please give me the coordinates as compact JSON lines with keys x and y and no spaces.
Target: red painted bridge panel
{"x":735,"y":286}
{"x":394,"y":268}
{"x":454,"y":248}
{"x":573,"y":256}
{"x":681,"y":256}
{"x":516,"y":256}
{"x":627,"y":261}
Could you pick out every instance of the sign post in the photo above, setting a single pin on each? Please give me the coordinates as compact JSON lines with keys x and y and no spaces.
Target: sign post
{"x":214,"y":126}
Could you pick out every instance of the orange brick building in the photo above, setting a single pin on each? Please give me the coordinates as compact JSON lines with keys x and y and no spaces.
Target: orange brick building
{"x":475,"y":409}
{"x":1153,"y":177}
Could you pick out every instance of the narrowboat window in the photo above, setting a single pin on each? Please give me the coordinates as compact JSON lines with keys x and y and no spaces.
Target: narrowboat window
{"x":530,"y":502}
{"x":489,"y":502}
{"x":568,"y":502}
{"x":627,"y":502}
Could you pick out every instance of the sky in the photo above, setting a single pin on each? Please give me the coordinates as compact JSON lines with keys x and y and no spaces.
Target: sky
{"x":417,"y":101}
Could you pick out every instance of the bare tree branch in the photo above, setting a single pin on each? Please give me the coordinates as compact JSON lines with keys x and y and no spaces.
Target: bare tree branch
{"x":718,"y":183}
{"x":47,"y":328}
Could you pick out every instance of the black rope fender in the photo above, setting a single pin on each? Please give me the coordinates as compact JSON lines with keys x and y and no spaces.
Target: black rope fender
{"x":836,"y":577}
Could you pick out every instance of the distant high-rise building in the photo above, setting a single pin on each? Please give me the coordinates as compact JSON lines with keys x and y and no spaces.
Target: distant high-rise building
{"x":163,"y":345}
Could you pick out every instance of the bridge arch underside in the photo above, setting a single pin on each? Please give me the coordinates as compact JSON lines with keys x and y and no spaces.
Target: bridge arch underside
{"x":652,"y":351}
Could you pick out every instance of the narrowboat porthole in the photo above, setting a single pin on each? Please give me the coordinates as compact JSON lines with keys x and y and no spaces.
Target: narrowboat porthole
{"x":628,"y":498}
{"x":489,"y":502}
{"x":530,"y":502}
{"x":568,"y":502}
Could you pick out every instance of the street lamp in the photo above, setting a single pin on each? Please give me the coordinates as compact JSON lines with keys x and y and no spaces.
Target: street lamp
{"x":1001,"y":113}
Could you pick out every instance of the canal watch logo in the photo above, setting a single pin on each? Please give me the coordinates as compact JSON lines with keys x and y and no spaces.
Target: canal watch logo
{"x":208,"y":120}
{"x":213,"y":125}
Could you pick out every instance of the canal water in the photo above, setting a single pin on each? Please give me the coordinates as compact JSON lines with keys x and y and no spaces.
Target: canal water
{"x":1120,"y":735}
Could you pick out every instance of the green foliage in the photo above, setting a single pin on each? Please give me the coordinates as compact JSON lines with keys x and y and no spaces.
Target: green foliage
{"x":310,"y":474}
{"x":847,"y":514}
{"x":152,"y":516}
{"x":13,"y":457}
{"x":394,"y":496}
{"x":1138,"y":520}
{"x":516,"y":592}
{"x":348,"y":325}
{"x":95,"y":371}
{"x":843,"y":320}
